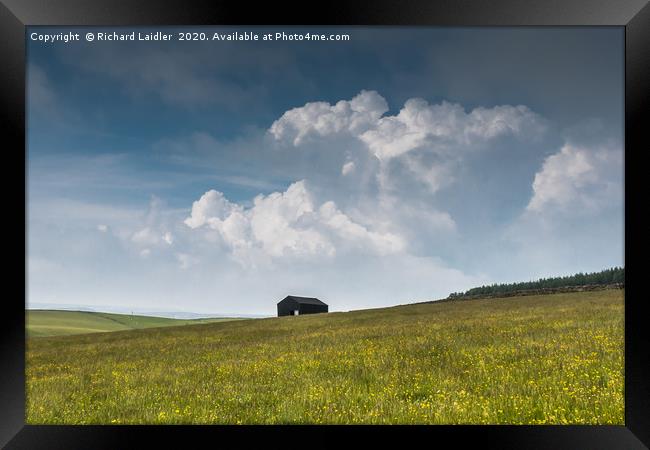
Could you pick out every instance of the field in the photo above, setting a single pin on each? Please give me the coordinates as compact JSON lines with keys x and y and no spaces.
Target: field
{"x":552,"y":359}
{"x":56,"y":323}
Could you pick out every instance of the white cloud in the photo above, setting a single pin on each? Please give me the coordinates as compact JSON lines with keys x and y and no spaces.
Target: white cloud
{"x":416,"y":125}
{"x":270,"y":226}
{"x":103,"y":228}
{"x":429,"y":139}
{"x":578,"y":179}
{"x":322,"y":119}
{"x":348,"y":168}
{"x":210,"y":207}
{"x":287,"y":224}
{"x":446,"y":126}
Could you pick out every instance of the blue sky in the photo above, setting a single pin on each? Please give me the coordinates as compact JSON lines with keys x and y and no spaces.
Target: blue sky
{"x":398,"y":166}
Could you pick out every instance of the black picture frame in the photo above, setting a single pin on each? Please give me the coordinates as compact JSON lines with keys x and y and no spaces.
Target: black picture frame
{"x":633,"y":15}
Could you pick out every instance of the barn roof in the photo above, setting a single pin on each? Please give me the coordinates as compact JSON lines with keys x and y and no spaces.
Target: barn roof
{"x":304,"y":300}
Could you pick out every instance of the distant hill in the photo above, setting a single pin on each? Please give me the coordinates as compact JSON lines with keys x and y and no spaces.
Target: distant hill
{"x":112,"y":309}
{"x":57,"y":322}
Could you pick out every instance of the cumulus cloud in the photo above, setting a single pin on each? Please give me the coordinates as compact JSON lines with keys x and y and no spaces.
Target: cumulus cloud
{"x":428,"y":140}
{"x":287,"y":224}
{"x":103,"y":228}
{"x":322,"y":119}
{"x":578,"y":179}
{"x":208,"y":209}
{"x":445,"y":127}
{"x":417,"y":124}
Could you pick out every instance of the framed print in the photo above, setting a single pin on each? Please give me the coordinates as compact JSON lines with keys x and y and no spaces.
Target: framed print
{"x":381,"y":219}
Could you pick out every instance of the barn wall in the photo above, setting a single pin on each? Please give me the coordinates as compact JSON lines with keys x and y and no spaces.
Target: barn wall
{"x":312,"y":309}
{"x":286,"y":306}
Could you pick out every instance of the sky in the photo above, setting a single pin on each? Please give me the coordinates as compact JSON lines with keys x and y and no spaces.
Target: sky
{"x":398,"y":166}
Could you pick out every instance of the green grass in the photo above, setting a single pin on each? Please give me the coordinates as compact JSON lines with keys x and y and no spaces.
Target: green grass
{"x":553,"y":359}
{"x":56,"y":323}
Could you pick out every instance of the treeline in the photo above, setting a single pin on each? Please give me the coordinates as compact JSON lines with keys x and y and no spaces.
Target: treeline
{"x":615,"y":275}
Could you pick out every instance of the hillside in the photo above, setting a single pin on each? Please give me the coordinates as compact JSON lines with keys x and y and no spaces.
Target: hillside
{"x":528,"y":360}
{"x":55,"y":323}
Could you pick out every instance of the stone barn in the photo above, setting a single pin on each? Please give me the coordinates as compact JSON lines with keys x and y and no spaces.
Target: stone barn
{"x":292,"y":305}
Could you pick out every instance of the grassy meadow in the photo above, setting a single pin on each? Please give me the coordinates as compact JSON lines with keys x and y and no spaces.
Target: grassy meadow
{"x":56,"y":323}
{"x":552,"y":359}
